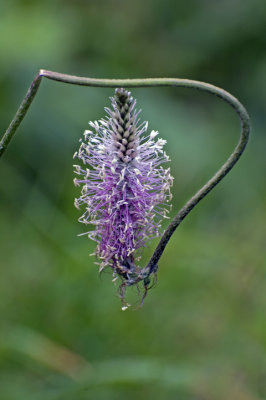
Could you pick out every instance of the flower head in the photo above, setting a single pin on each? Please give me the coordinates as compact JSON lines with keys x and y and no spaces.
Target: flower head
{"x":125,"y":189}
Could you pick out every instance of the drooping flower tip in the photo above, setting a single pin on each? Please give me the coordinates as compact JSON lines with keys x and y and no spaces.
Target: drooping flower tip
{"x":125,"y":189}
{"x":124,"y":308}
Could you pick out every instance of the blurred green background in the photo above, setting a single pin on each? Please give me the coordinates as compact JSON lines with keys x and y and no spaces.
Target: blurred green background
{"x":201,"y":334}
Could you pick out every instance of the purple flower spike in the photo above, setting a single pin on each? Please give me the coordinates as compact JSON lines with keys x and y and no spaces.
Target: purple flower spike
{"x":125,"y":189}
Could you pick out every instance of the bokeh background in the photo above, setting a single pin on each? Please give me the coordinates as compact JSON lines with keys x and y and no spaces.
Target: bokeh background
{"x":201,"y":333}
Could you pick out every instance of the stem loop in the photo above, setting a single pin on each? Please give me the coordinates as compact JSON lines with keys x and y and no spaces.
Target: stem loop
{"x":150,"y":82}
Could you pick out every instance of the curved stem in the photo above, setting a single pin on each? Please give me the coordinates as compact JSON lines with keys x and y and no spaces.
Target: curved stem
{"x":206,"y":87}
{"x":20,"y":114}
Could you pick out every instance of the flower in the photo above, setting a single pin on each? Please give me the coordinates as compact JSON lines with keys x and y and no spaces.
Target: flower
{"x":125,"y":189}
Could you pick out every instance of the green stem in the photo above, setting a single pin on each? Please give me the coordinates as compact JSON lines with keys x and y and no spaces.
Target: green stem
{"x":152,"y":82}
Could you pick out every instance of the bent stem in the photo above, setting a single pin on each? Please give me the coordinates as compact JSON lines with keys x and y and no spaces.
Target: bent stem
{"x":153,"y":82}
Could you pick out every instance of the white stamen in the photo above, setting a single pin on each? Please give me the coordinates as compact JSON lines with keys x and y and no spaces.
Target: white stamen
{"x":137,"y":171}
{"x":153,"y":134}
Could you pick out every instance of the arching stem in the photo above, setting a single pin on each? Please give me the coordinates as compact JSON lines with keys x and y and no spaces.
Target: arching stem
{"x":153,"y":82}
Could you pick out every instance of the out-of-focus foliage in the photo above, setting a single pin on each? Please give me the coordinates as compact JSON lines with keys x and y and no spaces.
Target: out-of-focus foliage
{"x":202,"y":331}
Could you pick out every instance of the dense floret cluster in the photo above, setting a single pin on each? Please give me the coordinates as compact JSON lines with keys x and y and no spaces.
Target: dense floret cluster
{"x":125,"y":189}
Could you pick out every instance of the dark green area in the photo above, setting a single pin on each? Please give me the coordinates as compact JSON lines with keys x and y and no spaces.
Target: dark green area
{"x":201,"y":334}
